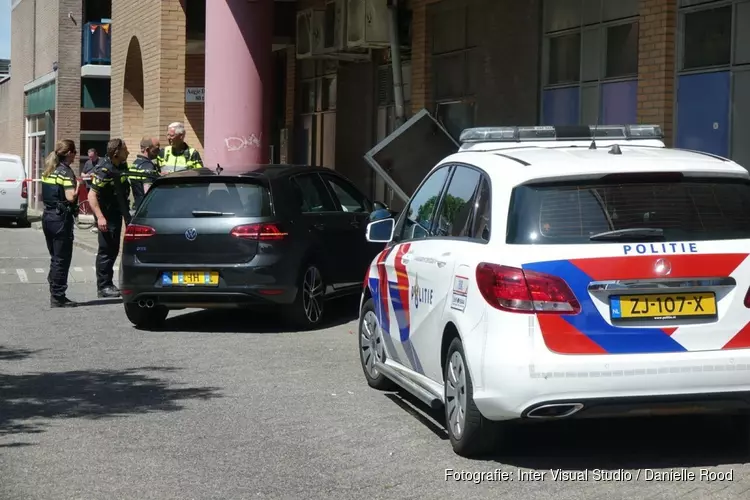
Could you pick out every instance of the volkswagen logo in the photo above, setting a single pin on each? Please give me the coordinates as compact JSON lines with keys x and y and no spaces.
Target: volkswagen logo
{"x":663,"y":267}
{"x":191,"y":234}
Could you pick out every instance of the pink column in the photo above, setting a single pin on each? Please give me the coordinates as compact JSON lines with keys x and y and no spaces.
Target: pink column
{"x":238,"y":63}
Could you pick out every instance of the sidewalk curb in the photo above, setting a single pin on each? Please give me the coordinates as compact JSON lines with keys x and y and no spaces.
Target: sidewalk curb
{"x":84,"y":245}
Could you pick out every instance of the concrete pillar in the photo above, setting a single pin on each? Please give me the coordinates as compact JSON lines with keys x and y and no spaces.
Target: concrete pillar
{"x":238,"y":67}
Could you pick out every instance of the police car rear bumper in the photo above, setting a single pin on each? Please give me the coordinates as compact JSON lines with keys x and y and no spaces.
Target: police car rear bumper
{"x":552,"y":386}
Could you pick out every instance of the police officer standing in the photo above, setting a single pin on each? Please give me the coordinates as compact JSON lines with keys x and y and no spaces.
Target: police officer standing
{"x":59,"y":194}
{"x":178,"y":155}
{"x":142,"y":171}
{"x":109,"y":201}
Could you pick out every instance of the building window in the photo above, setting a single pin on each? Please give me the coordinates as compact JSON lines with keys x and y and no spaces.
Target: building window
{"x":590,"y":62}
{"x":622,"y":50}
{"x":317,"y":98}
{"x":565,"y":59}
{"x":708,"y":38}
{"x":455,"y":62}
{"x":713,"y":81}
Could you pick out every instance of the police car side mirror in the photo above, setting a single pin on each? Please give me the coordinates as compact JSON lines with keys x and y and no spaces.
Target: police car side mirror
{"x":380,"y":231}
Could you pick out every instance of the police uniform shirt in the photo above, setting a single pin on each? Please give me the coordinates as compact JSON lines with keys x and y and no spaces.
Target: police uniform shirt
{"x":142,"y":169}
{"x":173,"y":160}
{"x":111,"y":185}
{"x":55,"y":184}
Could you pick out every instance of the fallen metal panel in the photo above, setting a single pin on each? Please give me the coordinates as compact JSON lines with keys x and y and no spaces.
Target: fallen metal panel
{"x":407,"y":155}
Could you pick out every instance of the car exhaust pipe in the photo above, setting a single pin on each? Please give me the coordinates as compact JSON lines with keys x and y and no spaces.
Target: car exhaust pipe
{"x":142,"y":303}
{"x":561,"y":410}
{"x":149,"y":303}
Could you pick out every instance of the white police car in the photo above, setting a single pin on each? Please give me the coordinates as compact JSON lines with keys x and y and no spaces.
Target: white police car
{"x":533,"y":275}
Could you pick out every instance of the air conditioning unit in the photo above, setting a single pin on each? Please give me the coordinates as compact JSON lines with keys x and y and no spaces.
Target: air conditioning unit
{"x":334,"y":34}
{"x":309,"y":34}
{"x":367,"y":24}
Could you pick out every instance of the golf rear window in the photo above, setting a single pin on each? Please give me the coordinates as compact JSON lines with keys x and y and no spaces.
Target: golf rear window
{"x":180,"y":200}
{"x":686,"y":209}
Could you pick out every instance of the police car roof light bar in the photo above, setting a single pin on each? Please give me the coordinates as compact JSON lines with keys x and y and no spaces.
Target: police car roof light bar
{"x":560,"y":133}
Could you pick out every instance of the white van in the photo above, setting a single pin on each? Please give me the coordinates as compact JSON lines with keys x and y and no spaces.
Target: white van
{"x":14,"y":194}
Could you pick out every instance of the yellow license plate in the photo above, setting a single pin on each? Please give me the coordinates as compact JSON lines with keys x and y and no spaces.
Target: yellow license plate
{"x":666,"y":306}
{"x":191,"y":278}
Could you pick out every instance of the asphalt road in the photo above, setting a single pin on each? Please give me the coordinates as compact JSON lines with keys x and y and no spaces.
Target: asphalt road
{"x":225,"y":406}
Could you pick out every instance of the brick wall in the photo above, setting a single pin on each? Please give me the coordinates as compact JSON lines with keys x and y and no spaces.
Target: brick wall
{"x":156,"y":29}
{"x":47,"y":33}
{"x":195,"y":75}
{"x":656,"y":64}
{"x":290,"y":101}
{"x":22,"y":23}
{"x":5,"y":103}
{"x":68,"y":57}
{"x":421,"y":90}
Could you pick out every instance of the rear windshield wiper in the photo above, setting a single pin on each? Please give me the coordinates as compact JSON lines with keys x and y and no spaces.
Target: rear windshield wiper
{"x":210,"y":213}
{"x":634,"y":233}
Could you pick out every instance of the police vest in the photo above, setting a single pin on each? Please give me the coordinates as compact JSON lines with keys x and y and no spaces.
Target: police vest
{"x":173,"y":163}
{"x":137,"y":173}
{"x":53,"y":189}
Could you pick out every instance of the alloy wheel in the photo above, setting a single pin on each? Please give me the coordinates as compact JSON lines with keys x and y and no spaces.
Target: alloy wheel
{"x":455,"y":394}
{"x":371,"y":344}
{"x":312,"y":295}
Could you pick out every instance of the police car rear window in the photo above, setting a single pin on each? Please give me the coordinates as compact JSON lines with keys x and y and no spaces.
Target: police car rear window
{"x":685,"y":209}
{"x":182,"y":200}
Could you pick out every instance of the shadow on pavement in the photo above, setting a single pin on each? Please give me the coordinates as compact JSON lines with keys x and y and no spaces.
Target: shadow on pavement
{"x":339,"y":312}
{"x":88,"y":394}
{"x":607,"y":444}
{"x":15,"y":354}
{"x":100,"y":302}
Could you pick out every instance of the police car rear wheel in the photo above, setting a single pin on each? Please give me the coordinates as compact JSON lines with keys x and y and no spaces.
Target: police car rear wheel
{"x":372,"y":349}
{"x":146,"y":318}
{"x":470,"y":433}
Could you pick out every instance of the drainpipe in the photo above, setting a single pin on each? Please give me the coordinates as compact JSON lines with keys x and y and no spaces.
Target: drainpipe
{"x":398,"y":84}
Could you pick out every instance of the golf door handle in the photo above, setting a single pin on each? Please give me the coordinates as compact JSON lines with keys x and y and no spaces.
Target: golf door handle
{"x":355,"y":223}
{"x":319,"y":226}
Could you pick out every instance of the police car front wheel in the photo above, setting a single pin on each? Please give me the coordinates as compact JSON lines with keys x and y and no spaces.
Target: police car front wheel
{"x":470,"y":433}
{"x":371,"y":348}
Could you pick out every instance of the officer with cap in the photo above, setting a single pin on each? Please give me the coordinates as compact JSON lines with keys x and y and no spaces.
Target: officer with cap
{"x":142,"y":171}
{"x":109,"y":201}
{"x":59,"y":195}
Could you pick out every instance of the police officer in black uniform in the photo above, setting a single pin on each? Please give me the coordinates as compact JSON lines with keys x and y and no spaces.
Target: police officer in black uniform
{"x":143,"y":170}
{"x":109,"y":201}
{"x":59,"y":195}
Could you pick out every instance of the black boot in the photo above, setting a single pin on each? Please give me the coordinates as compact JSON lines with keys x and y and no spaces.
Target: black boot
{"x":61,"y":302}
{"x":108,"y":292}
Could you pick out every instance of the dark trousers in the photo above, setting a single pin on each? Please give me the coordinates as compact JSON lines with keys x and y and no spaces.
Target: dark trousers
{"x":109,"y":247}
{"x":58,"y":231}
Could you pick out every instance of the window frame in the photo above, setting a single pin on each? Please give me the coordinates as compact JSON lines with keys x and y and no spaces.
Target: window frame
{"x":399,"y":226}
{"x":600,"y":27}
{"x":368,"y":206}
{"x":326,"y":191}
{"x":472,"y":217}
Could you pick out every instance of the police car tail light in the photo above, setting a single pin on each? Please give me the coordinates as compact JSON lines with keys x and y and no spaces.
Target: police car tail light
{"x":135,"y":232}
{"x":260,"y":232}
{"x":515,"y":290}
